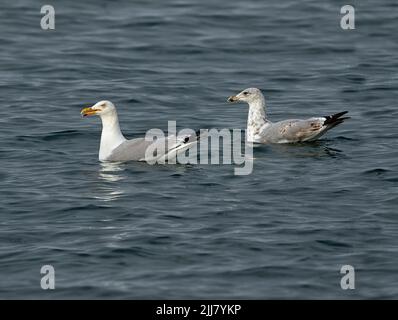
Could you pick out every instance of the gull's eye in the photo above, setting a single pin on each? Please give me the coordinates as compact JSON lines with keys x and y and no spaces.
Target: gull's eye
{"x":245,"y":93}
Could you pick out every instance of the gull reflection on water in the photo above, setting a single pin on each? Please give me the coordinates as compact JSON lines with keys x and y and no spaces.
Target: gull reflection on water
{"x":313,"y":149}
{"x":110,"y":173}
{"x":109,"y":170}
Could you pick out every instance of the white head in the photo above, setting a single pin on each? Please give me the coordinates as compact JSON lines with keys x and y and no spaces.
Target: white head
{"x":248,"y":95}
{"x":100,"y":108}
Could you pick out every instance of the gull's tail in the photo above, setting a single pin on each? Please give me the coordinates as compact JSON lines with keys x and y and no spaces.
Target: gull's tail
{"x":329,"y":123}
{"x":335,"y":119}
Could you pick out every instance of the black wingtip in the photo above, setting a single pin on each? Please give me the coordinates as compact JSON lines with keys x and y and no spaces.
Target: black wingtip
{"x":335,"y":118}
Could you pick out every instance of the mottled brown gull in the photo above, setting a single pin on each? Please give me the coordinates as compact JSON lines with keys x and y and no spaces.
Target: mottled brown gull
{"x":261,"y":130}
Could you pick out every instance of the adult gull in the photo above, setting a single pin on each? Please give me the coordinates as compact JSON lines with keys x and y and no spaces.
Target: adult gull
{"x":115,"y":147}
{"x":261,"y":130}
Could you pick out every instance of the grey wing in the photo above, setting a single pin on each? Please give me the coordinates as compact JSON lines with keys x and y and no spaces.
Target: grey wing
{"x":290,"y":131}
{"x":130,"y":150}
{"x":135,"y":149}
{"x":301,"y":130}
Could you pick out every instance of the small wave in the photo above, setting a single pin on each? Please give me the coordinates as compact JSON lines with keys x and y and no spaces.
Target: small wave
{"x":332,"y":243}
{"x":377,"y":171}
{"x":49,"y":136}
{"x":88,"y":207}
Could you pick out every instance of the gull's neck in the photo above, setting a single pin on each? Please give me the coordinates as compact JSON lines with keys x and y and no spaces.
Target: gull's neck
{"x":257,"y":118}
{"x":111,"y":136}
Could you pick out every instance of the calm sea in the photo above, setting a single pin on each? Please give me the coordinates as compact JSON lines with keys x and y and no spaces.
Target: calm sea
{"x":198,"y":231}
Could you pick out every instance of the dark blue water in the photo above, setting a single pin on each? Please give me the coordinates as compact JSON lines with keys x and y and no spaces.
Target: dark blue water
{"x":139,"y":231}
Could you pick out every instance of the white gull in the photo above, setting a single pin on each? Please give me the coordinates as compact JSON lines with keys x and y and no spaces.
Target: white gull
{"x":115,"y":147}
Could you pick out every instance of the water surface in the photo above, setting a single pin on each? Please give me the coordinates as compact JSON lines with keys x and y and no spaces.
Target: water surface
{"x":138,"y":231}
